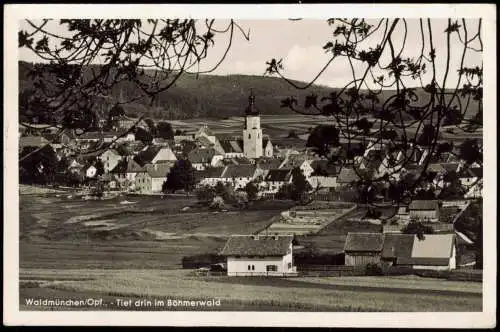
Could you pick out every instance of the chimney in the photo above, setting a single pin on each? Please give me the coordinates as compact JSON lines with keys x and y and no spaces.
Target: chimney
{"x":275,"y":236}
{"x":255,"y":237}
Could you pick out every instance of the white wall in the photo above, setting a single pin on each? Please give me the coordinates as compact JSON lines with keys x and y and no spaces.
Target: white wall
{"x":239,"y":266}
{"x":323,"y":181}
{"x":164,"y":154}
{"x":156,"y":184}
{"x":110,"y":160}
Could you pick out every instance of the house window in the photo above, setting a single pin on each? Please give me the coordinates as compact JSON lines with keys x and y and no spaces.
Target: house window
{"x":253,"y":267}
{"x":249,"y":136}
{"x":271,"y":268}
{"x":249,"y":267}
{"x":289,"y":266}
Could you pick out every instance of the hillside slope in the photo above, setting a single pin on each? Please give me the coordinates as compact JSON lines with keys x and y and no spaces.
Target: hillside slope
{"x":211,"y":96}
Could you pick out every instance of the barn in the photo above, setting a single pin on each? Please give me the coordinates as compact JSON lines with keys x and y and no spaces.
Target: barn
{"x":258,"y":255}
{"x":397,"y":248}
{"x":434,"y":252}
{"x":363,"y":248}
{"x":425,"y":210}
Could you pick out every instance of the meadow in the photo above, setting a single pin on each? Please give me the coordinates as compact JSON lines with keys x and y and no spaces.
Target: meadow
{"x":260,"y":293}
{"x":71,"y":248}
{"x":147,"y":232}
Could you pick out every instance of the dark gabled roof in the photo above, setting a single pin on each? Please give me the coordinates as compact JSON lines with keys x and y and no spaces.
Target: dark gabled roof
{"x":295,"y":160}
{"x":146,"y":156}
{"x":265,"y":140}
{"x":249,"y":245}
{"x":269,"y":163}
{"x":326,"y":167}
{"x":424,"y":205}
{"x":201,"y":155}
{"x":158,"y":170}
{"x":97,"y":135}
{"x":125,"y":166}
{"x":210,"y":172}
{"x":476,"y":172}
{"x":52,"y":137}
{"x":279,"y":175}
{"x":450,"y":167}
{"x":397,"y":246}
{"x":239,"y":171}
{"x":241,"y":161}
{"x":364,"y":242}
{"x":347,"y":175}
{"x":232,"y":145}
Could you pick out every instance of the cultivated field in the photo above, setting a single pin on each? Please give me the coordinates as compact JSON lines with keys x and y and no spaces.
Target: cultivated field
{"x":132,"y":247}
{"x":307,"y":222}
{"x":129,"y":231}
{"x":272,"y":294}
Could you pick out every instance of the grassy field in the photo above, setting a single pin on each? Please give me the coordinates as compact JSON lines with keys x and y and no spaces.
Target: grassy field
{"x":57,"y":232}
{"x":70,"y":248}
{"x":273,"y":294}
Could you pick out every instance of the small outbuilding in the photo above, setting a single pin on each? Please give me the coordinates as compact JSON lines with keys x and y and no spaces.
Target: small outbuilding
{"x":363,"y":248}
{"x":425,"y":210}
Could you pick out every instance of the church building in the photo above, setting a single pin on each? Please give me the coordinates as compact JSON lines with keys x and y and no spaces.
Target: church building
{"x":252,"y":133}
{"x":253,"y":144}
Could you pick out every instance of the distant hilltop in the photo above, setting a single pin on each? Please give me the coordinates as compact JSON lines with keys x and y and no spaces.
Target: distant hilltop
{"x":211,"y":96}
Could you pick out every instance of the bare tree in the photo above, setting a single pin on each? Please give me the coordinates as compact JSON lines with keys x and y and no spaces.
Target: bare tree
{"x":380,"y":109}
{"x":86,"y":59}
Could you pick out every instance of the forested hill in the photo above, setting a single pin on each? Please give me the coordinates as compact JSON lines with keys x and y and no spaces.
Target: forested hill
{"x":207,"y":96}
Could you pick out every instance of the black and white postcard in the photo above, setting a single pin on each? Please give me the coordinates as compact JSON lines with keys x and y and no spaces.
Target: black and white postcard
{"x":250,"y":165}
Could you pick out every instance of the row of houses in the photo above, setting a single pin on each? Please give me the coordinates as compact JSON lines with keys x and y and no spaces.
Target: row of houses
{"x":253,"y":255}
{"x":432,"y":251}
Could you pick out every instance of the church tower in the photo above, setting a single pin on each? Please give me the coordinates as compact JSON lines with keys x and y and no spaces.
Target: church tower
{"x":252,"y":133}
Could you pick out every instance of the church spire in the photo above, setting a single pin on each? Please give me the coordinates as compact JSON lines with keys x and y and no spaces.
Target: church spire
{"x":251,"y":109}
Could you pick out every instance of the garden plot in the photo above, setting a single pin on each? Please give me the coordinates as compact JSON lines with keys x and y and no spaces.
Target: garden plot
{"x":305,"y":221}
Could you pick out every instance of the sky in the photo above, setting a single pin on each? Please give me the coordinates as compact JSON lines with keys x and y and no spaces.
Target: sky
{"x":299,"y":44}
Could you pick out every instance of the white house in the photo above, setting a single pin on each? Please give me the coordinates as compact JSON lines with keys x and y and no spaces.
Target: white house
{"x":239,"y":175}
{"x":202,"y":158}
{"x":324,"y":175}
{"x":268,"y":146}
{"x":301,"y":161}
{"x":257,"y":255}
{"x":209,"y":176}
{"x":155,"y":154}
{"x":91,"y":172}
{"x":125,"y":173}
{"x":275,"y":179}
{"x":110,"y":158}
{"x":151,"y":178}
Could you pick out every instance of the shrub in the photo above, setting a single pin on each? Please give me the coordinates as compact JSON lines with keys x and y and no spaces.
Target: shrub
{"x":373,"y":269}
{"x":202,"y":260}
{"x":217,"y":203}
{"x":205,"y":194}
{"x":241,"y":198}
